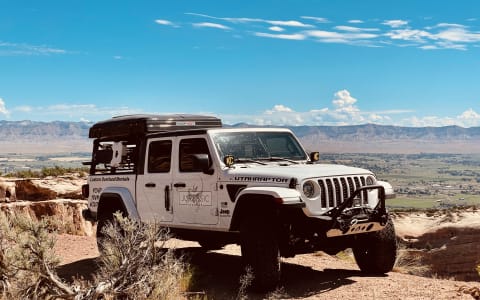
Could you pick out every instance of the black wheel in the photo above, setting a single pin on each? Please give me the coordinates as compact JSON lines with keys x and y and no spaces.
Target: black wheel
{"x":376,"y":252}
{"x":103,"y":219}
{"x":260,"y":252}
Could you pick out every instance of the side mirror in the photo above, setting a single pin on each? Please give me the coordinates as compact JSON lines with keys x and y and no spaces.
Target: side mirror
{"x":201,"y":162}
{"x":314,"y":156}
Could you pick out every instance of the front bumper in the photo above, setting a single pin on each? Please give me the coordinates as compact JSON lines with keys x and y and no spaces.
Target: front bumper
{"x":347,"y":220}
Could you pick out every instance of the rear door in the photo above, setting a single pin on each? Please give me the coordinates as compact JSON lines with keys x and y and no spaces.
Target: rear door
{"x":154,"y":187}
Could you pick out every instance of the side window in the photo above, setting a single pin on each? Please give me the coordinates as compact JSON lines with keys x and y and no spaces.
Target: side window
{"x":159,"y":157}
{"x":189,"y":147}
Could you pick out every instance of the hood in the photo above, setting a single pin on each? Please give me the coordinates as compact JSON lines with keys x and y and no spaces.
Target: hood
{"x":300,"y":171}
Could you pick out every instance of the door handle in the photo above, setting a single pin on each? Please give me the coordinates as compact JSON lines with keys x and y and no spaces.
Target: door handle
{"x":150,"y":184}
{"x":167,"y":198}
{"x":179,"y":184}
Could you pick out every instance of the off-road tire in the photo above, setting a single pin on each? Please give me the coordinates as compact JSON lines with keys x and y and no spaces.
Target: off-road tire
{"x":103,"y":219}
{"x":260,"y":252}
{"x":376,"y":252}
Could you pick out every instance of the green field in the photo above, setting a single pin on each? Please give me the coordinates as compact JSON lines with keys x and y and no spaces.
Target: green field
{"x":422,"y":181}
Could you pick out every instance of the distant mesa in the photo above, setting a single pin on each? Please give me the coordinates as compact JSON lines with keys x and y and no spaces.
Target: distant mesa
{"x":61,"y":136}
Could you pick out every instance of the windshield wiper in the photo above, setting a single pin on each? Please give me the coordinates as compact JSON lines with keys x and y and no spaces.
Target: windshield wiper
{"x":248,"y":160}
{"x":275,"y":158}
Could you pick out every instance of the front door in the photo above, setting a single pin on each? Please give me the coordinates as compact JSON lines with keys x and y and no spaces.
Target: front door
{"x":195,"y":193}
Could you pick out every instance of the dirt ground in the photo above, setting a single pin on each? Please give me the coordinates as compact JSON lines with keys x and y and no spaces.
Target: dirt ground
{"x":306,"y":276}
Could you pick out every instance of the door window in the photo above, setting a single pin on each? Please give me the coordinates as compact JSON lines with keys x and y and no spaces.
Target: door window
{"x":160,"y":157}
{"x":189,"y":147}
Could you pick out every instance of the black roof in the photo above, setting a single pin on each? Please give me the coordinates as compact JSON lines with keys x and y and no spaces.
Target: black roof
{"x":144,"y":123}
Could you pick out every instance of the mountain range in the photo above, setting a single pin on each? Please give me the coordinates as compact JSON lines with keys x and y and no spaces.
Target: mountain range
{"x":62,"y":136}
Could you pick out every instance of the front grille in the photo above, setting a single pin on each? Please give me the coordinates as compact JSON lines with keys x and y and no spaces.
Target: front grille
{"x":333,"y":191}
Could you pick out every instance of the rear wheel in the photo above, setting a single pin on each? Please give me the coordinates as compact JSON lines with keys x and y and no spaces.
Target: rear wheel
{"x":260,"y":252}
{"x":376,"y":252}
{"x":103,"y":219}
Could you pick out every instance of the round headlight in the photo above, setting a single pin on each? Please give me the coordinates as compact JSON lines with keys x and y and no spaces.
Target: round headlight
{"x":309,"y":189}
{"x":370,"y":180}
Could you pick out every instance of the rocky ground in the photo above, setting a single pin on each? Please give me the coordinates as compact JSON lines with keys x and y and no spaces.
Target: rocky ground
{"x":446,"y":243}
{"x":451,"y":238}
{"x":307,"y":276}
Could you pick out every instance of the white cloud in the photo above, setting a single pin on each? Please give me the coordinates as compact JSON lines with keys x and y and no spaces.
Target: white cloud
{"x":395,"y":23}
{"x":374,"y":118}
{"x":71,"y":112}
{"x":14,"y":49}
{"x":166,"y":23}
{"x":211,"y":25}
{"x":469,"y":118}
{"x":70,"y":107}
{"x":289,"y":23}
{"x":354,"y":29}
{"x":458,"y":35}
{"x":343,"y":99}
{"x":429,"y":47}
{"x":23,"y":109}
{"x":316,"y":19}
{"x":339,"y":37}
{"x":279,"y":108}
{"x":450,"y":45}
{"x":400,"y":33}
{"x":449,"y":36}
{"x":409,"y":35}
{"x":469,"y":114}
{"x":3,"y":108}
{"x":344,"y":113}
{"x":296,"y":36}
{"x":276,"y":28}
{"x":451,"y":25}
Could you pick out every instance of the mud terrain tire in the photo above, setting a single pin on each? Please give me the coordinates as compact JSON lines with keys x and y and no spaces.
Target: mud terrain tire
{"x":376,"y":252}
{"x":103,"y":220}
{"x":260,"y":252}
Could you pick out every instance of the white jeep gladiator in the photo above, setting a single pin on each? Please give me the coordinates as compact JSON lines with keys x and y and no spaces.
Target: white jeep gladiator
{"x":256,"y":187}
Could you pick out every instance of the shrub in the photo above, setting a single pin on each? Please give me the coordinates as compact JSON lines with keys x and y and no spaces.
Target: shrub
{"x":133,"y":265}
{"x":51,"y":171}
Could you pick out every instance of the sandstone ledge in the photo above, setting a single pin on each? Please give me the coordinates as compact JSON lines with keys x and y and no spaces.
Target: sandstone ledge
{"x":68,"y":212}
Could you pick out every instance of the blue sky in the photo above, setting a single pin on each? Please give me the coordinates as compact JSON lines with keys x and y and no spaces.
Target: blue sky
{"x":409,"y":63}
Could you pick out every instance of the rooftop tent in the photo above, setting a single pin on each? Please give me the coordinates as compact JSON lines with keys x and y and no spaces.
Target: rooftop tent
{"x":143,"y":124}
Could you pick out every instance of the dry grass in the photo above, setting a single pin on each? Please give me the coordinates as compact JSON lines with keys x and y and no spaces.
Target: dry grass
{"x":411,"y":262}
{"x":132,"y":266}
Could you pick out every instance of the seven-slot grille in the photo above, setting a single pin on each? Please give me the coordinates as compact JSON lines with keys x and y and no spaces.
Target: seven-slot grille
{"x":333,"y":191}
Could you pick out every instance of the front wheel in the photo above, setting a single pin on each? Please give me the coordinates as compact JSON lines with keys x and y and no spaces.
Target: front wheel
{"x":376,"y":252}
{"x":260,"y":252}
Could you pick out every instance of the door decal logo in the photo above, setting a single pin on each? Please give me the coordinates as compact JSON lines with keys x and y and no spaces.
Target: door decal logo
{"x":194,"y":198}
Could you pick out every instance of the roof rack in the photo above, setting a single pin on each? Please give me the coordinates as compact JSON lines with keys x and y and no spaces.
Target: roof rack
{"x":142,"y":124}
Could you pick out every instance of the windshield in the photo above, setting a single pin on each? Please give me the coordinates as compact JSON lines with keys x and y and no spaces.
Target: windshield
{"x":258,"y":145}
